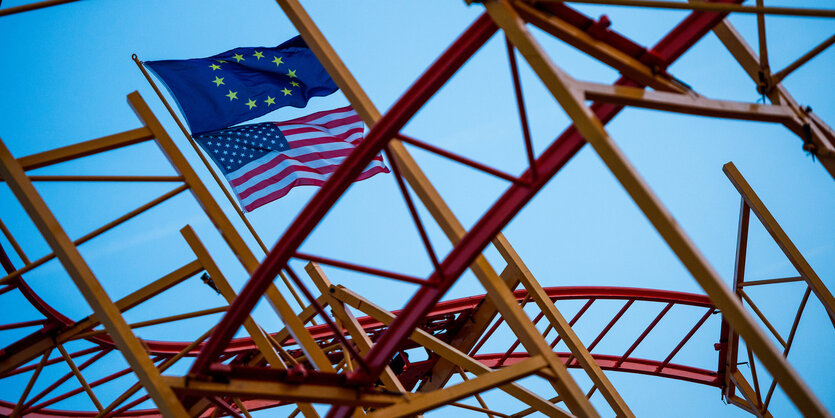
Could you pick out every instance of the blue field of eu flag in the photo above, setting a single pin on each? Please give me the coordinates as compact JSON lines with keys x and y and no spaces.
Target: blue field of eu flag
{"x":243,"y":83}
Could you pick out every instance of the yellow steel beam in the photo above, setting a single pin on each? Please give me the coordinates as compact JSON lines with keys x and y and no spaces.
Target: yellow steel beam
{"x":90,"y":288}
{"x":293,"y":292}
{"x":241,"y":406}
{"x":98,"y":231}
{"x":199,"y":153}
{"x":347,"y":320}
{"x":711,"y":7}
{"x":208,"y":263}
{"x":781,"y":238}
{"x":206,"y":201}
{"x":157,"y":321}
{"x":198,"y":189}
{"x":16,"y":411}
{"x":83,"y":149}
{"x":162,"y":367}
{"x":573,"y":342}
{"x":780,"y":75}
{"x":291,"y":392}
{"x":226,"y":229}
{"x":305,"y":316}
{"x":477,"y":396}
{"x":558,"y":83}
{"x":688,"y":104}
{"x":426,"y":401}
{"x":127,"y":302}
{"x":822,"y":136}
{"x":535,"y":344}
{"x":496,"y":288}
{"x":297,"y":329}
{"x":748,"y":394}
{"x":446,"y":351}
{"x":107,"y":178}
{"x":15,"y":245}
{"x":80,"y":377}
{"x":605,"y":53}
{"x":467,"y":337}
{"x":258,"y":335}
{"x":772,"y":281}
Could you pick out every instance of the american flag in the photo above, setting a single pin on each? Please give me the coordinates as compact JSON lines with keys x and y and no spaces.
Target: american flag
{"x":264,"y":161}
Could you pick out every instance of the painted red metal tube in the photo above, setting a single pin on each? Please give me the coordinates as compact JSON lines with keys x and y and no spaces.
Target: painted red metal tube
{"x":520,"y":104}
{"x":26,"y":407}
{"x":337,"y":331}
{"x":387,"y":127}
{"x":487,"y":335}
{"x":610,"y":324}
{"x":574,"y":320}
{"x":459,"y":159}
{"x":361,"y":269}
{"x":644,"y":334}
{"x":685,"y":339}
{"x":23,"y":324}
{"x":122,"y":410}
{"x":79,"y":389}
{"x":224,"y":406}
{"x":407,"y":197}
{"x":515,"y":198}
{"x":632,"y":365}
{"x":465,"y":305}
{"x":517,"y":342}
{"x":53,"y":361}
{"x":6,"y":289}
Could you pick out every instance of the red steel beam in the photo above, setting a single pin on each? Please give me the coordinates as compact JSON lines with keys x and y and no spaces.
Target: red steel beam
{"x":516,"y":197}
{"x":442,"y":309}
{"x":631,"y":365}
{"x":387,"y":127}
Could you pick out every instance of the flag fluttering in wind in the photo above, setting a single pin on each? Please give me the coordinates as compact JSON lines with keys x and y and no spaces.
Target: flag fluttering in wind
{"x":264,"y":161}
{"x":243,"y":83}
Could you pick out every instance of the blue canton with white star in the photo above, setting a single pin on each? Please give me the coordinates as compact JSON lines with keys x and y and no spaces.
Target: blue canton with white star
{"x":232,"y":148}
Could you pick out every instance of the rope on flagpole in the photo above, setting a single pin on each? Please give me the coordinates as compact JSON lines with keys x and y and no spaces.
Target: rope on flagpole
{"x":200,"y":153}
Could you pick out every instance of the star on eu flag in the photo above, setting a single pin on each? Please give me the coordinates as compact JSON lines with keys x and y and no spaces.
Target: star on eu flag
{"x":295,"y":78}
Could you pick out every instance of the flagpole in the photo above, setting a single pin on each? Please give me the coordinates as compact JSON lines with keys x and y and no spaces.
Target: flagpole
{"x":199,"y":153}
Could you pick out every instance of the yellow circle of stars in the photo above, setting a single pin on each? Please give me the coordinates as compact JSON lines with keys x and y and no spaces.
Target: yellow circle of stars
{"x":252,"y":103}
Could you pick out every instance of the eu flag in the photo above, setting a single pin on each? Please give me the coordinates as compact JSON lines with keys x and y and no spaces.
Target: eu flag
{"x":243,"y":83}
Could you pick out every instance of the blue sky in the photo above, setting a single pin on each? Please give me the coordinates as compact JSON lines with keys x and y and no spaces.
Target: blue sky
{"x":66,"y":71}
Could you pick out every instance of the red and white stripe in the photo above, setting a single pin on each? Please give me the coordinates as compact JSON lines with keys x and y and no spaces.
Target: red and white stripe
{"x":318,"y":144}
